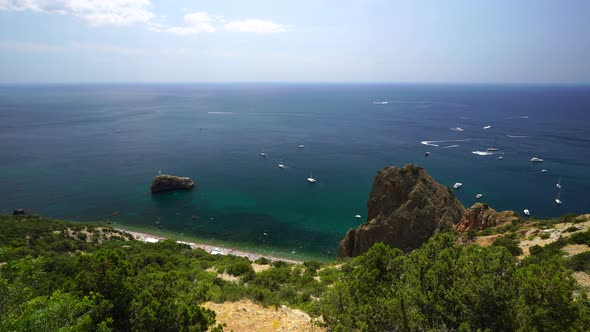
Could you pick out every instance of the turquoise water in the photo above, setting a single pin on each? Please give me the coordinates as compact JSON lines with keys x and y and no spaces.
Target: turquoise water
{"x":89,"y":153}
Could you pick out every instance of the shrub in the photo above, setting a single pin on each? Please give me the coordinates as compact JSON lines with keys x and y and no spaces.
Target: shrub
{"x":580,"y":262}
{"x":508,"y":243}
{"x":544,"y":236}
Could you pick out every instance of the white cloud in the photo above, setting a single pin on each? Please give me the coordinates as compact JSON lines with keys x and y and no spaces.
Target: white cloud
{"x":94,"y":12}
{"x":254,"y":25}
{"x":128,"y":12}
{"x":195,"y":23}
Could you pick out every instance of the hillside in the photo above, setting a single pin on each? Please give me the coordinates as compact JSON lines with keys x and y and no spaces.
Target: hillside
{"x":59,"y":275}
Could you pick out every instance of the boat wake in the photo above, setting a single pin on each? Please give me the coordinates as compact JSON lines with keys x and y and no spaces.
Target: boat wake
{"x":381,"y":102}
{"x":432,"y":143}
{"x":517,"y":136}
{"x":450,"y":146}
{"x":482,"y":153}
{"x":220,"y":112}
{"x":457,"y":129}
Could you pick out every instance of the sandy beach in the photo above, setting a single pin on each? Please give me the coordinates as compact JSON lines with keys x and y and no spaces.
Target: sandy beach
{"x":217,"y":250}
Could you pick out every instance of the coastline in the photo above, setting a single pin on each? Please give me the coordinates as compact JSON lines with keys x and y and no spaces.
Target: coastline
{"x":148,"y":237}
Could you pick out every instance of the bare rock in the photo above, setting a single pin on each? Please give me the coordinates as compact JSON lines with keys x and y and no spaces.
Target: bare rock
{"x":405,"y":207}
{"x":165,"y":182}
{"x":480,"y":216}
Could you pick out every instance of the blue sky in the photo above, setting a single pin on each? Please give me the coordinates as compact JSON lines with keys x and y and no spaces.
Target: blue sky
{"x":499,"y":41}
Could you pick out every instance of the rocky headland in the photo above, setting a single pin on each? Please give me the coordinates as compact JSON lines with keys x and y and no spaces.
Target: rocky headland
{"x":164,"y":182}
{"x":405,"y":207}
{"x":481,"y":216}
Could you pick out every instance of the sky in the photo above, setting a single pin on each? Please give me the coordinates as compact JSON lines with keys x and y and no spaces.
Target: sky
{"x":414,"y":41}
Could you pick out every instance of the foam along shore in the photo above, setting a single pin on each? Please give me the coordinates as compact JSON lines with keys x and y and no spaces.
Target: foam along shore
{"x":214,"y":250}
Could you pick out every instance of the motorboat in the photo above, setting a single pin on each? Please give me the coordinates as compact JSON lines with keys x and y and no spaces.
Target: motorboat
{"x":281,"y":165}
{"x":543,"y":171}
{"x":427,"y":153}
{"x":527,"y":212}
{"x":262,"y":154}
{"x":358,"y":216}
{"x":500,"y":158}
{"x":457,"y":185}
{"x":536,"y":160}
{"x":310,"y":179}
{"x":478,"y":196}
{"x":301,"y":146}
{"x":493,"y":149}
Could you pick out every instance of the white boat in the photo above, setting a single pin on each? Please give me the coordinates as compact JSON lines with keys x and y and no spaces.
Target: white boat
{"x":301,"y":146}
{"x":527,"y":212}
{"x":478,"y":196}
{"x":536,"y":160}
{"x":262,"y":154}
{"x":500,"y":158}
{"x":457,"y":185}
{"x":492,"y":149}
{"x":427,"y":153}
{"x":457,"y":129}
{"x":358,"y":216}
{"x":557,"y":200}
{"x":543,"y":171}
{"x":558,"y":184}
{"x":281,"y":166}
{"x":310,"y":179}
{"x":487,"y":127}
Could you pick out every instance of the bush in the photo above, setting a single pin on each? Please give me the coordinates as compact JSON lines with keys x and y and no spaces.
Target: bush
{"x":580,"y":262}
{"x":239,"y":268}
{"x":544,"y":236}
{"x":508,"y":243}
{"x":571,"y":229}
{"x":580,"y":238}
{"x":262,"y":261}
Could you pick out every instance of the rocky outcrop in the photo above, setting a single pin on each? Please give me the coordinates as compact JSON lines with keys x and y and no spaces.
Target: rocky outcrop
{"x":165,"y":182}
{"x":405,"y":207}
{"x":17,"y":212}
{"x":481,"y":216}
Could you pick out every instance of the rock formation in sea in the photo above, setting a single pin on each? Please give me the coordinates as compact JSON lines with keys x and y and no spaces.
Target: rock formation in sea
{"x":165,"y":182}
{"x":480,"y":216}
{"x":405,"y":207}
{"x":18,"y":211}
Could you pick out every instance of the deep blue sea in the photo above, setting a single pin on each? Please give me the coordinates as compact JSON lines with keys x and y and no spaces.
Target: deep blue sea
{"x":89,"y":153}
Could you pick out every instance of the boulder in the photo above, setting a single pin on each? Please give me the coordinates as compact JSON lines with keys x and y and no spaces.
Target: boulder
{"x":480,"y":216}
{"x":405,"y":207}
{"x":165,"y":182}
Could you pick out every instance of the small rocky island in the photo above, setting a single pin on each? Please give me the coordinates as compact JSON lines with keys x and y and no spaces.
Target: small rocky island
{"x":164,"y":182}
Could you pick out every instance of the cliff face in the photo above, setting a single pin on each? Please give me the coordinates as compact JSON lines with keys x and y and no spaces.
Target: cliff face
{"x":170,"y":183}
{"x":405,"y":207}
{"x":480,"y":216}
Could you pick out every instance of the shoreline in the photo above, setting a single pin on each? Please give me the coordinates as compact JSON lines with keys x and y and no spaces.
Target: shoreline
{"x":211,"y":249}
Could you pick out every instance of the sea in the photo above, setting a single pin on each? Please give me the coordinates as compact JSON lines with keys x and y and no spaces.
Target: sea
{"x":89,"y":153}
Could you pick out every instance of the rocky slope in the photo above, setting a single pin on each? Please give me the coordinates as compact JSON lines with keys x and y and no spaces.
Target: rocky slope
{"x":480,"y":216}
{"x":165,"y":182}
{"x":405,"y":207}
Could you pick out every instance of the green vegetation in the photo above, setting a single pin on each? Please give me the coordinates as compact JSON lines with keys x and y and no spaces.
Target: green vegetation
{"x":60,"y":276}
{"x":508,"y":243}
{"x":56,"y":275}
{"x":446,"y":287}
